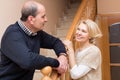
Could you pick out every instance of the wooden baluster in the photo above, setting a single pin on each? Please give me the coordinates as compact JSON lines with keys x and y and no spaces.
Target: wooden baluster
{"x":46,"y":71}
{"x":54,"y":75}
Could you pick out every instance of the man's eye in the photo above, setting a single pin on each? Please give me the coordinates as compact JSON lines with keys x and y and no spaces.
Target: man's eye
{"x":42,"y":16}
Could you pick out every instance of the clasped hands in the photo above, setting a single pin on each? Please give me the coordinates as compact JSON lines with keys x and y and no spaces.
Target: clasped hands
{"x":63,"y":64}
{"x":63,"y":60}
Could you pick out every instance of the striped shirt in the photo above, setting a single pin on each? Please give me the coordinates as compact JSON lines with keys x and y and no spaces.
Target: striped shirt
{"x":25,"y":29}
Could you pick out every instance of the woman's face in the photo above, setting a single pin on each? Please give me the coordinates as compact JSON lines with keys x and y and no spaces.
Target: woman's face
{"x":82,"y":33}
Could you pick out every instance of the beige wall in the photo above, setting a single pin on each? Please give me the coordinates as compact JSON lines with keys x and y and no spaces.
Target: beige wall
{"x":108,"y":6}
{"x":10,"y":13}
{"x":54,"y":9}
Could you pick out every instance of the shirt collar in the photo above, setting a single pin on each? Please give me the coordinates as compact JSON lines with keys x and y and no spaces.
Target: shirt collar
{"x":25,"y":29}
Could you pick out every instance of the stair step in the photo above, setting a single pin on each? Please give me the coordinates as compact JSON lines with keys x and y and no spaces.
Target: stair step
{"x":62,"y":32}
{"x":67,"y":26}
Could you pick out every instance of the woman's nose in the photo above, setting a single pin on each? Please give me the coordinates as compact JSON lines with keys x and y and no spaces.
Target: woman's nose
{"x":78,"y":32}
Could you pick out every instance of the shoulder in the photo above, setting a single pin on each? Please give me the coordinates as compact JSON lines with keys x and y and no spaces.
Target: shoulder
{"x":93,"y":51}
{"x":94,"y":48}
{"x":12,"y":31}
{"x":12,"y":28}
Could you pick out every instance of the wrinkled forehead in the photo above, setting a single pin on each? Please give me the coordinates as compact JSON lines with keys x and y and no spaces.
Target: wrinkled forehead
{"x":41,"y":8}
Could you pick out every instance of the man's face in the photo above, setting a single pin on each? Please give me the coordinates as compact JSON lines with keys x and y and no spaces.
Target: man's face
{"x":39,"y":20}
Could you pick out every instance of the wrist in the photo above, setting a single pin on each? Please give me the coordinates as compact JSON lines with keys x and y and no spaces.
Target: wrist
{"x":64,"y":54}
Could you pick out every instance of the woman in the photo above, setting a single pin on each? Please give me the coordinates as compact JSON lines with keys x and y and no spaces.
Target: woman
{"x":85,"y":63}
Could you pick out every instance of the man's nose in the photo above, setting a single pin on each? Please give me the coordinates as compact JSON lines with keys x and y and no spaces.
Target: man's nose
{"x":46,"y":19}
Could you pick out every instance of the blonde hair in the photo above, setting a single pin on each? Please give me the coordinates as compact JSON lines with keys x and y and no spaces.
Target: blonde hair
{"x":93,"y":29}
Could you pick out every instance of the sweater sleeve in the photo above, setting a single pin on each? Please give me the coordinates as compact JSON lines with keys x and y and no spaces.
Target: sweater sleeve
{"x":15,"y":48}
{"x":51,"y":42}
{"x":79,"y":71}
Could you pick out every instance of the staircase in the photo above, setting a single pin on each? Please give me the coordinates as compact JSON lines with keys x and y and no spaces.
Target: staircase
{"x":62,"y":29}
{"x":66,"y":20}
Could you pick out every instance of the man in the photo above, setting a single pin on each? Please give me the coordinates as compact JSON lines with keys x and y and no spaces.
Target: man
{"x":22,"y":41}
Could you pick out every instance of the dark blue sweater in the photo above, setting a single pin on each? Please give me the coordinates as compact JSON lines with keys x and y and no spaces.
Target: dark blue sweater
{"x":20,"y":53}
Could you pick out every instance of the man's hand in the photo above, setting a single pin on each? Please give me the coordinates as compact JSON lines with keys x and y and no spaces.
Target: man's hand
{"x":63,"y":64}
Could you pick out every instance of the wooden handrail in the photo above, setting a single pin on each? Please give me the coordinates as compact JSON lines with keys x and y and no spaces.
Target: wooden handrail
{"x":76,"y":19}
{"x":87,"y":9}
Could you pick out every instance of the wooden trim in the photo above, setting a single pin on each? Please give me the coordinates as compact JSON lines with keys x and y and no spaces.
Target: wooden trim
{"x":112,"y":17}
{"x":115,"y":64}
{"x":110,"y":14}
{"x":104,"y":46}
{"x":114,"y":44}
{"x":105,"y":20}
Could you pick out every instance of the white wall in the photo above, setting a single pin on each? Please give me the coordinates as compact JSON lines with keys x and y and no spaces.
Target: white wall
{"x":54,"y":9}
{"x":108,"y":6}
{"x":9,"y":13}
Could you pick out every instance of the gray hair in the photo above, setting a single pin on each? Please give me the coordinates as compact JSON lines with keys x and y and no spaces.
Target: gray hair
{"x":28,"y":10}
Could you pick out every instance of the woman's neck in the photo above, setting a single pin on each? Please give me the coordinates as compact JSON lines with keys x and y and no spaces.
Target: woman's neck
{"x":84,"y":45}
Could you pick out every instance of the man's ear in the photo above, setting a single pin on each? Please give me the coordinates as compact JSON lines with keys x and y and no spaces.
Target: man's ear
{"x":31,"y":19}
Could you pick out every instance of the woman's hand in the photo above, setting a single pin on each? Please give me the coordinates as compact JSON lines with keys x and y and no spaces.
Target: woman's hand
{"x":69,"y":47}
{"x":70,"y":52}
{"x":68,"y":44}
